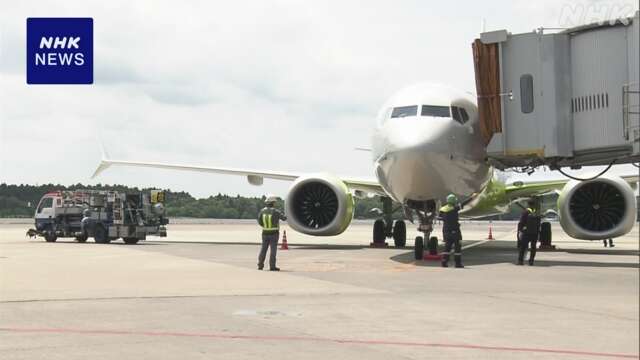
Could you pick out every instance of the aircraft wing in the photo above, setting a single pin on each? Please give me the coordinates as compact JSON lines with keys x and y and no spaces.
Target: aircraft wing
{"x":255,"y":177}
{"x":519,"y":190}
{"x":526,"y":189}
{"x":496,"y":198}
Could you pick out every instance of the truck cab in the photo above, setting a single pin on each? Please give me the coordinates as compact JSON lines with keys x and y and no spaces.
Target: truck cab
{"x":45,"y":212}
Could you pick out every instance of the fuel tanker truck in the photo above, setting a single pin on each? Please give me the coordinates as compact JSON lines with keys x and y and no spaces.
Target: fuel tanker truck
{"x":101,"y":214}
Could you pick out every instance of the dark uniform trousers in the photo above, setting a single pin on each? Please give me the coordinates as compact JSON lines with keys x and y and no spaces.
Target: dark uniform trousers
{"x":530,"y":232}
{"x":451,"y":234}
{"x":524,"y":242}
{"x":452,"y":240}
{"x":269,"y":241}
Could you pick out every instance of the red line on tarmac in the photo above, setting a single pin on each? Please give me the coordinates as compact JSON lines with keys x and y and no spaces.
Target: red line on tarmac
{"x":316,"y":339}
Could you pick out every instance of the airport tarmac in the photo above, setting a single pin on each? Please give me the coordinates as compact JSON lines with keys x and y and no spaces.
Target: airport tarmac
{"x":197,"y":294}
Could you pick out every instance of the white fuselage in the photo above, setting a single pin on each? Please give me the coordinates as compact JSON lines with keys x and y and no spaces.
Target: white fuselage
{"x":427,"y":144}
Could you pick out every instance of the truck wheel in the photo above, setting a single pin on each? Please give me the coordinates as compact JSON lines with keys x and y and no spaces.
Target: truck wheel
{"x":100,"y":235}
{"x":82,"y":238}
{"x":50,"y":236}
{"x":130,"y":241}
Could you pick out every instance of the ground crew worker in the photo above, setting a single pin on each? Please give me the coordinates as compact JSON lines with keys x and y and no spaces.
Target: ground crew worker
{"x":451,"y":231}
{"x":269,"y":219}
{"x":528,"y":233}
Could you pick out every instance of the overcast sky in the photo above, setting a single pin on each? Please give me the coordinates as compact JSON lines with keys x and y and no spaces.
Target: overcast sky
{"x":283,"y":85}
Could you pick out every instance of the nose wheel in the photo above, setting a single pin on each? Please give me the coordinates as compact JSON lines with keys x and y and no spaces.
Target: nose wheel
{"x":426,"y":212}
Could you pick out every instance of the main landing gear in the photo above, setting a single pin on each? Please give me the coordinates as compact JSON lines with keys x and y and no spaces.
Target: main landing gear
{"x":386,"y":228}
{"x":426,"y":211}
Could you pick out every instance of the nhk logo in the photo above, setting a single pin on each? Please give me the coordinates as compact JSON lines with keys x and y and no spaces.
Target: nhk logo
{"x":59,"y":50}
{"x":57,"y":58}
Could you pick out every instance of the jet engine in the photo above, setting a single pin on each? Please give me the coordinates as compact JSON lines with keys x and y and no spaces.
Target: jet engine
{"x":319,"y":205}
{"x":597,"y":209}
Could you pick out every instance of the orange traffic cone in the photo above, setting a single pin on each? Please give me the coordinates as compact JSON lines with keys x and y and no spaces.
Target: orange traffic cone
{"x":490,"y":237}
{"x":284,"y":245}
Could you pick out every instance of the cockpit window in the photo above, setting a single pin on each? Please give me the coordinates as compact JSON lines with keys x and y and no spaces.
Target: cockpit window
{"x":459,"y":114}
{"x":434,"y":110}
{"x":465,"y":116}
{"x":404,"y":111}
{"x":456,"y":114}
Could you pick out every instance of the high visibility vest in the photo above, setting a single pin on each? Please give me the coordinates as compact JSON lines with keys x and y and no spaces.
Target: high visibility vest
{"x":267,"y":222}
{"x":446,"y":208}
{"x":450,"y":220}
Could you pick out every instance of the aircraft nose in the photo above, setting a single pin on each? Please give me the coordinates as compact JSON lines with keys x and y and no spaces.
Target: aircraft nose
{"x":416,"y":153}
{"x":417,"y":133}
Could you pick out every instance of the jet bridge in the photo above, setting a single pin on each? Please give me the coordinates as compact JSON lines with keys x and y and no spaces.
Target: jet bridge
{"x":569,"y":98}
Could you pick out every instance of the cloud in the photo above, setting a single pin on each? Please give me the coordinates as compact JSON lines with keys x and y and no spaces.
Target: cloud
{"x":284,"y":85}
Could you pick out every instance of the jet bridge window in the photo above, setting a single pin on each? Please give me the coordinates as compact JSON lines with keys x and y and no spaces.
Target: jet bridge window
{"x":434,"y":110}
{"x":526,"y":93}
{"x":404,"y":111}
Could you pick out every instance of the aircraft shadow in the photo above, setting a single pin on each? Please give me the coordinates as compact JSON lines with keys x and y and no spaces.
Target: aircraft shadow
{"x":504,"y":252}
{"x":603,"y":252}
{"x":295,"y":246}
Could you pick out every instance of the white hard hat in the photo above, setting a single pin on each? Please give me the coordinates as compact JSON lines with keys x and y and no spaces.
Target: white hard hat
{"x":271,"y":199}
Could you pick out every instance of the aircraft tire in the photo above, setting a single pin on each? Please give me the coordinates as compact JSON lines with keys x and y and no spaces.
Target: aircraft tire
{"x":399,"y":234}
{"x":432,"y":245}
{"x":545,"y":233}
{"x":378,"y":231}
{"x":418,"y":248}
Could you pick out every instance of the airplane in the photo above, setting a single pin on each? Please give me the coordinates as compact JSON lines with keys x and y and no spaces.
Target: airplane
{"x":427,"y":144}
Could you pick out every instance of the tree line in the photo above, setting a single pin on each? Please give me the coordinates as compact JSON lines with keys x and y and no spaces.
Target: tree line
{"x":21,"y":201}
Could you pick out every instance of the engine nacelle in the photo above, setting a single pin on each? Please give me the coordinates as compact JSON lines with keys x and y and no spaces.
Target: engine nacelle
{"x":597,"y":209}
{"x":319,"y":205}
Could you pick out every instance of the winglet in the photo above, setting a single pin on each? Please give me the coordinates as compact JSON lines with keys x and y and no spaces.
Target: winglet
{"x":104,"y":162}
{"x":103,"y":150}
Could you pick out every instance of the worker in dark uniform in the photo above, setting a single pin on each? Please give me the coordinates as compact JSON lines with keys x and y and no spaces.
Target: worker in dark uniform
{"x":269,"y":219}
{"x":610,"y":242}
{"x":528,"y":233}
{"x":451,"y":231}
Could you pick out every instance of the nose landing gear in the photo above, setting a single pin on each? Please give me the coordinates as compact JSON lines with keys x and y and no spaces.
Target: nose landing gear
{"x":426,"y":211}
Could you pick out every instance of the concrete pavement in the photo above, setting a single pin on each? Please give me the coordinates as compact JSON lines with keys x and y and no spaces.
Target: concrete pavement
{"x":197,"y":294}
